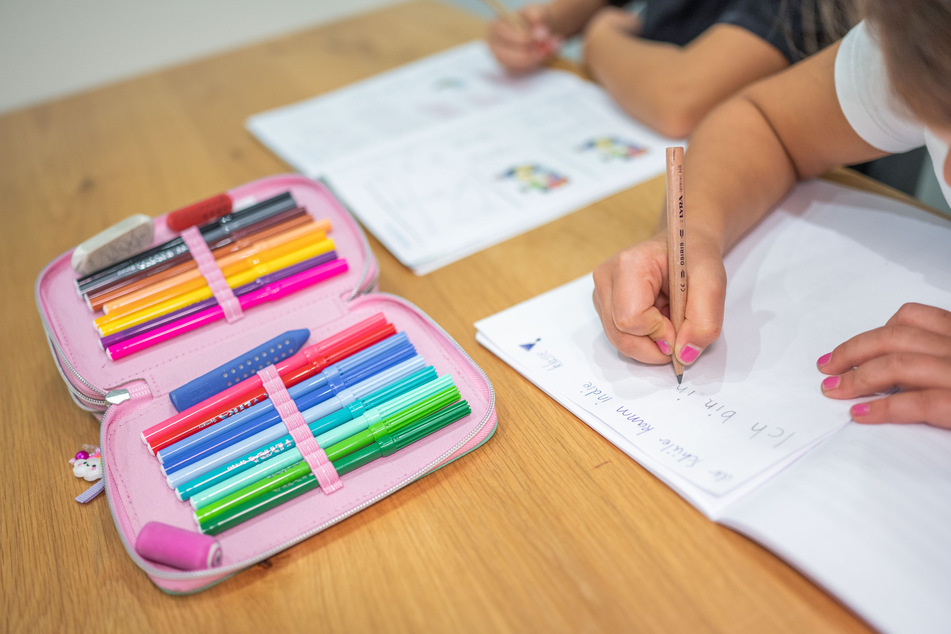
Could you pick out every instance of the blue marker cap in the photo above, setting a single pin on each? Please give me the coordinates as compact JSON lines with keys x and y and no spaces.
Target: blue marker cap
{"x":238,"y":369}
{"x":335,"y":379}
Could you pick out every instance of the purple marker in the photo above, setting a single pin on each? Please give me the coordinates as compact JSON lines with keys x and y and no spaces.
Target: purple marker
{"x":261,"y":282}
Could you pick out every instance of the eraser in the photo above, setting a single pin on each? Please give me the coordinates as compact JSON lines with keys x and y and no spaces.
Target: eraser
{"x":120,"y":241}
{"x":177,"y":547}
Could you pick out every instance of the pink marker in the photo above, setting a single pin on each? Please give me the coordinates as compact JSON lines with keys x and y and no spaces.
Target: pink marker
{"x":271,"y":292}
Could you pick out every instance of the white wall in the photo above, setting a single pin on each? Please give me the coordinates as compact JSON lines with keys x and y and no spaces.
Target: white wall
{"x":52,"y":48}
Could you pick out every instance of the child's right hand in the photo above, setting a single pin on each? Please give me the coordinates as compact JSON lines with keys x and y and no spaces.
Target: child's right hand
{"x":630,"y":295}
{"x":524,"y":49}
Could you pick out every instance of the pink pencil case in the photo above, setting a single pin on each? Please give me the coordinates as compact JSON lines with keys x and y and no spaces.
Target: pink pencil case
{"x":130,"y":395}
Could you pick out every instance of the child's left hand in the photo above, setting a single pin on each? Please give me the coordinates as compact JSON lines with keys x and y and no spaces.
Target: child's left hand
{"x":912,"y":352}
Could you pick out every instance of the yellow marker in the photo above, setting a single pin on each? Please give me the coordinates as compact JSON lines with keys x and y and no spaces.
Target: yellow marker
{"x":108,"y":324}
{"x":231,"y":264}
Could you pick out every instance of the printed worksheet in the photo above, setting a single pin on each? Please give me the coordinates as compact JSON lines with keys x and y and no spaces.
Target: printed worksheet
{"x":442,"y":194}
{"x":444,"y":87}
{"x":449,"y":155}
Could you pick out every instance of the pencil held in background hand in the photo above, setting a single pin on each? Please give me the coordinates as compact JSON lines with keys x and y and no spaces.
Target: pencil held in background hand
{"x":507,"y":15}
{"x":676,"y":246}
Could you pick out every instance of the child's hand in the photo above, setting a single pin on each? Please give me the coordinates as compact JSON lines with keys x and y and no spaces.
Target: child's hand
{"x":911,"y":352}
{"x":524,"y":49}
{"x":630,"y":295}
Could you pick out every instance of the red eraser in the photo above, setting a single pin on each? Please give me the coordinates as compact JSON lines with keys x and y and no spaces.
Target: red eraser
{"x":200,"y":213}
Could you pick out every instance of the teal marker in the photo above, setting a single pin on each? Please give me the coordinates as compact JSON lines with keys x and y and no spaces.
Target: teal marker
{"x":259,"y":480}
{"x":384,"y":446}
{"x":256,"y":456}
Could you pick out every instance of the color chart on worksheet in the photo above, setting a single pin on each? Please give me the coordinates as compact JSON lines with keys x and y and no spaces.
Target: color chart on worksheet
{"x":468,"y":158}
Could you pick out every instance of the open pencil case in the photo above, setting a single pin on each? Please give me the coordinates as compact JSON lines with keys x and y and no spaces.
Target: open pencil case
{"x":130,"y":395}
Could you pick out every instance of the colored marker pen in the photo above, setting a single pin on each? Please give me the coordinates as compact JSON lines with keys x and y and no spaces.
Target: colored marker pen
{"x":385,"y":446}
{"x":307,"y":362}
{"x":290,"y":465}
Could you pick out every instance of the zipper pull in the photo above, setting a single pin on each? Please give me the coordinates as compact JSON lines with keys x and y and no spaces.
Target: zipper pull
{"x":118,"y":395}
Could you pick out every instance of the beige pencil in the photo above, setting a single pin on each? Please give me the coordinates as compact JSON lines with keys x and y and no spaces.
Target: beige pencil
{"x":504,"y":13}
{"x":676,"y":245}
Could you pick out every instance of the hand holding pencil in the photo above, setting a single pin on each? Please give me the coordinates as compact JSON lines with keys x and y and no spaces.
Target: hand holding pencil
{"x":633,"y":298}
{"x":523,"y":41}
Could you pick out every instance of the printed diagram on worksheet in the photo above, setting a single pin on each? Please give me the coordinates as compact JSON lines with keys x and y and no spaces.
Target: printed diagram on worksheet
{"x":611,"y":148}
{"x":449,"y":155}
{"x":473,"y":182}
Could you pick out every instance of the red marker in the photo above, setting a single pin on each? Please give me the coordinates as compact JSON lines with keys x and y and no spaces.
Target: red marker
{"x":201,"y":212}
{"x":293,"y":370}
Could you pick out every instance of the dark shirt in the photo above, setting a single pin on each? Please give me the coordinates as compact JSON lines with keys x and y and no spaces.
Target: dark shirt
{"x":778,"y":22}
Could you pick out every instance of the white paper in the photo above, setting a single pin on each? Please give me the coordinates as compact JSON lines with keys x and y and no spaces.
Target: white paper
{"x":866,"y":515}
{"x":749,"y":439}
{"x":450,"y":85}
{"x":449,"y":155}
{"x":828,"y":264}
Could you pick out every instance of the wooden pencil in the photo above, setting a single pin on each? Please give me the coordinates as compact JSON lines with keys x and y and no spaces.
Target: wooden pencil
{"x":676,"y":245}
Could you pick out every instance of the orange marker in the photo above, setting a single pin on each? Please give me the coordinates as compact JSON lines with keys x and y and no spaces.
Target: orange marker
{"x":98,"y":298}
{"x":231,"y":263}
{"x":109,"y":324}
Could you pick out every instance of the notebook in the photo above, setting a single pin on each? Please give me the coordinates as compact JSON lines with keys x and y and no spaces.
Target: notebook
{"x":748,"y":438}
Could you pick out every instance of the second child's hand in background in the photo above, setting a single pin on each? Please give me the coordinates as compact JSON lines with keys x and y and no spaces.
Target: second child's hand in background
{"x":525,"y":43}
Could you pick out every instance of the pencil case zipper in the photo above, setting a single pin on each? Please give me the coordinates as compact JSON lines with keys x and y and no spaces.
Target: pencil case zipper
{"x":222,"y":573}
{"x":94,"y":401}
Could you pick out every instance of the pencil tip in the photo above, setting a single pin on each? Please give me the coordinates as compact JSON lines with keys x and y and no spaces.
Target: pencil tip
{"x":680,"y":379}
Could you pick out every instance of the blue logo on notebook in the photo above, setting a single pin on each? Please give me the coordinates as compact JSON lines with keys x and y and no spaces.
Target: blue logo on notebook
{"x":529,"y":346}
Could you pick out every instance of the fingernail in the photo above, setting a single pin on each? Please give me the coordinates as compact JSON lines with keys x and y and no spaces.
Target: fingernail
{"x":664,"y":347}
{"x":831,"y":382}
{"x":862,"y":409}
{"x":689,"y":353}
{"x":824,"y":359}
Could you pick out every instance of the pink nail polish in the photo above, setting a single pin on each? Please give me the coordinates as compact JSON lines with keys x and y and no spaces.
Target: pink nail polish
{"x":664,"y":346}
{"x":862,"y":409}
{"x":689,"y":353}
{"x":824,"y":359}
{"x":831,"y":382}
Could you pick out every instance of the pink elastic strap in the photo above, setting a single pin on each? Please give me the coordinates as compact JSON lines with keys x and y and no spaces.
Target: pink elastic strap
{"x":313,"y":454}
{"x":212,"y":274}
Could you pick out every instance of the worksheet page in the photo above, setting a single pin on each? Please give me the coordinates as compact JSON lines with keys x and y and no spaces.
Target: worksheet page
{"x":449,"y":191}
{"x":449,"y":155}
{"x":450,"y":85}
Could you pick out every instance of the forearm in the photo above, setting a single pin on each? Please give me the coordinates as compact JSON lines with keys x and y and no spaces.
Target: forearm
{"x":750,"y":151}
{"x":671,"y":88}
{"x":642,"y":77}
{"x":736,"y":170}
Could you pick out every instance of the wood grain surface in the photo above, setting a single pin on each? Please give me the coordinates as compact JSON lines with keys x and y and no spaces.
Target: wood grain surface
{"x":546,"y":528}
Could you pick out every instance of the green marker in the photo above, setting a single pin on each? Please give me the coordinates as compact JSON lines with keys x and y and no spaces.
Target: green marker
{"x":384,"y":446}
{"x":359,"y":440}
{"x":327,"y":431}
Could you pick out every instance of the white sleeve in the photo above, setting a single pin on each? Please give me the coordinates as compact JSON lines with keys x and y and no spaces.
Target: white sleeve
{"x":867,"y":98}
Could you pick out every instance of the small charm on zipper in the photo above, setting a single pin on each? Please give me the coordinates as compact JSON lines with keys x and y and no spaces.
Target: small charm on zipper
{"x":87,"y":464}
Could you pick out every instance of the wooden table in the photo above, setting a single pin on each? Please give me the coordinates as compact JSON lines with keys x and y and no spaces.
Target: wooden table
{"x":567,"y":535}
